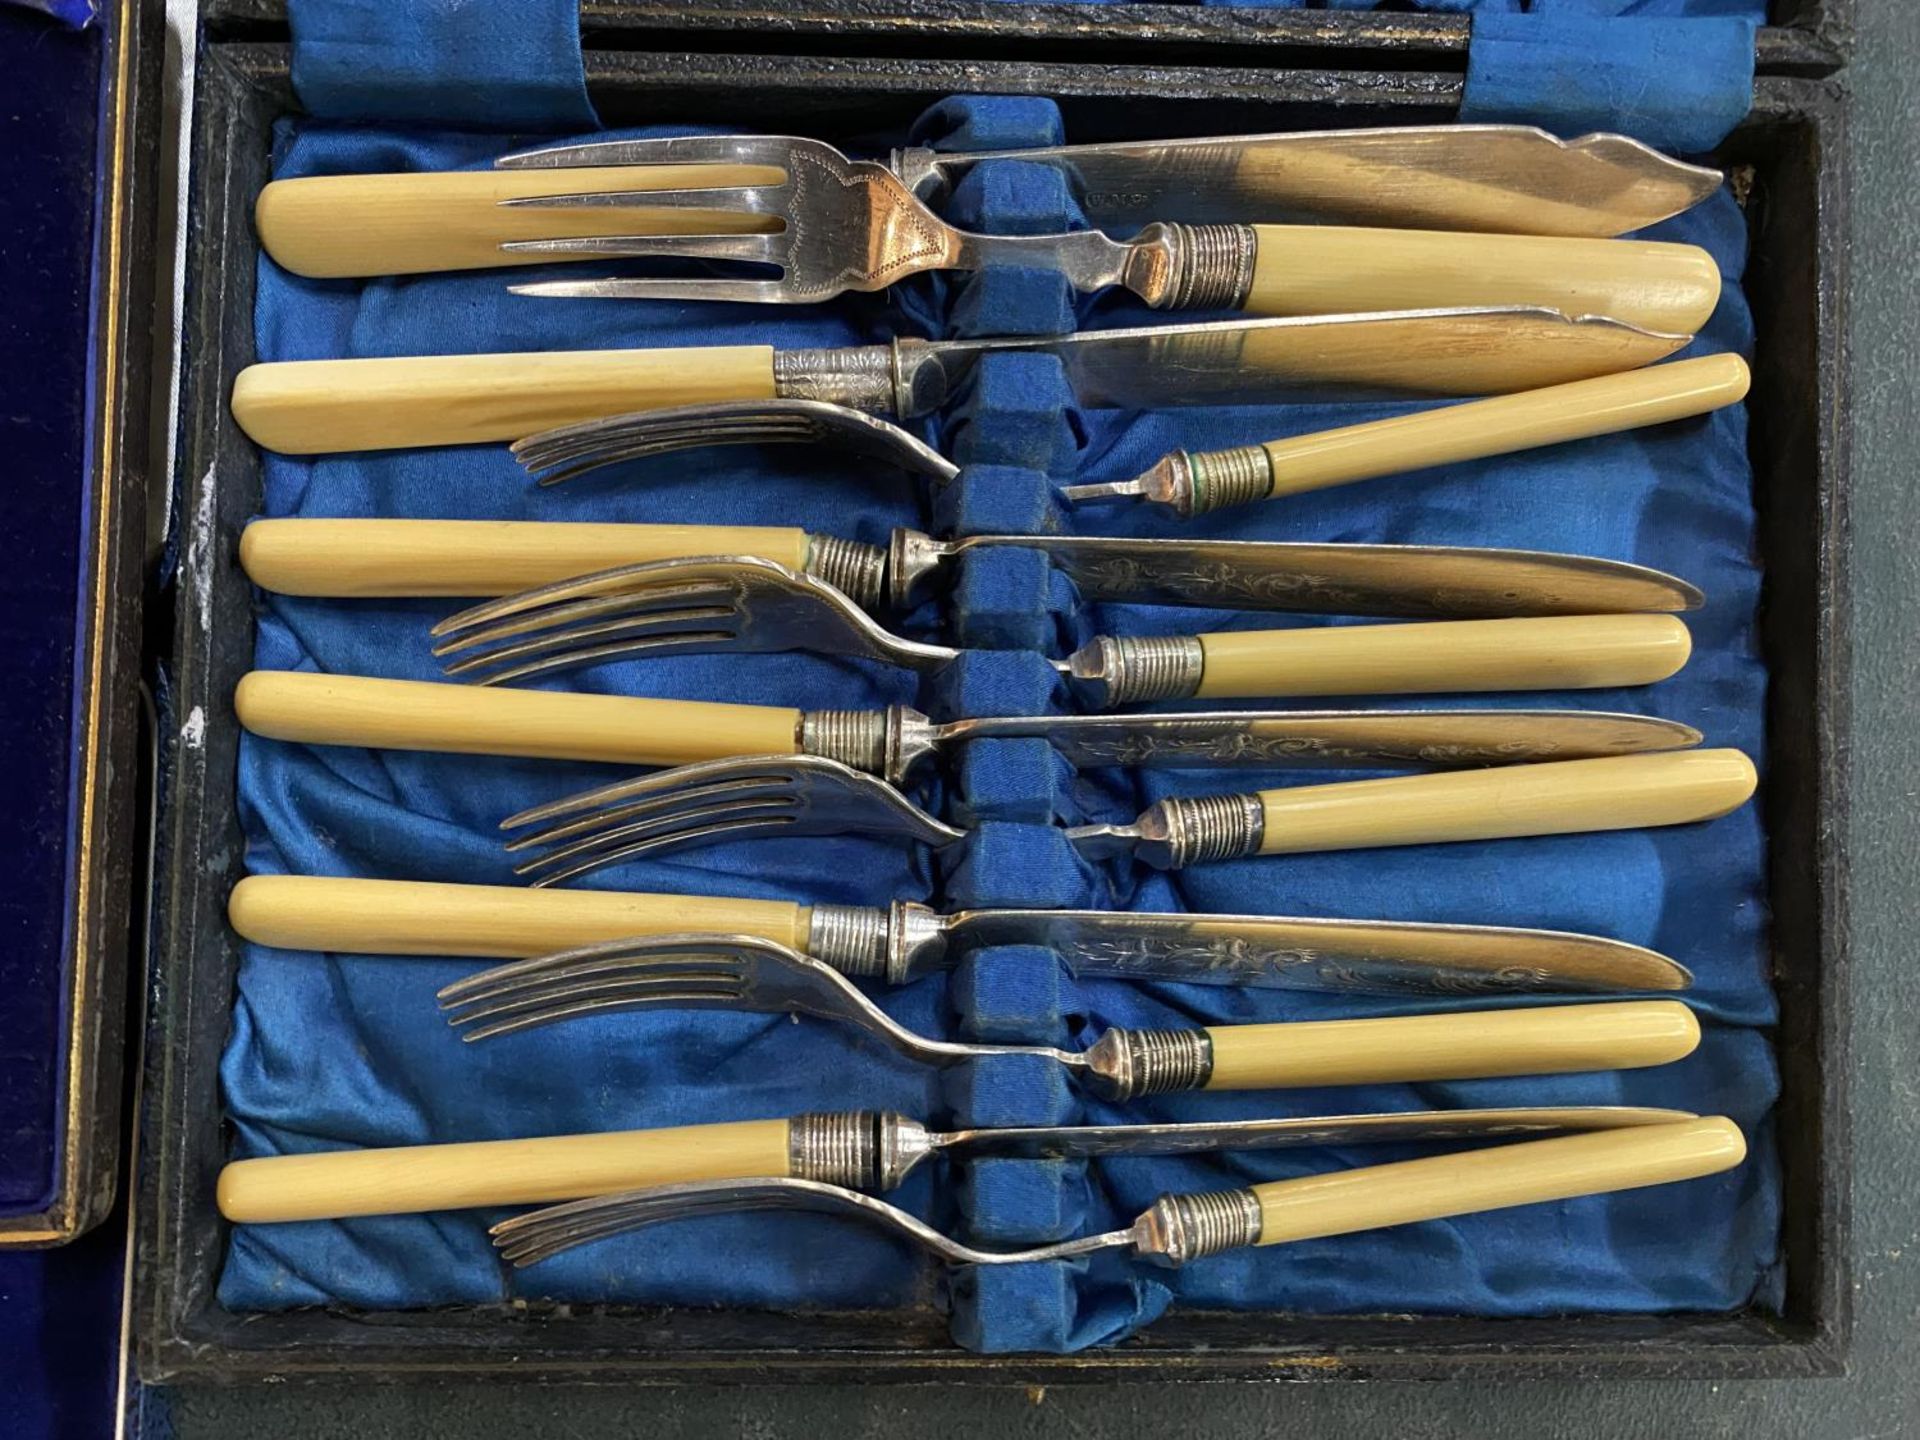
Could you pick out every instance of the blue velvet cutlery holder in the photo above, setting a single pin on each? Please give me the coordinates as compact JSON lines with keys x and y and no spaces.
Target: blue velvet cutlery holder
{"x":331,"y":1051}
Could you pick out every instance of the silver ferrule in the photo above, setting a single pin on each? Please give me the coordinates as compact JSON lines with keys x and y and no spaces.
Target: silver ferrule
{"x":1133,"y":669}
{"x":901,"y":943}
{"x":1221,"y":478}
{"x":861,"y":376}
{"x":1211,"y":269}
{"x":1130,"y":1063}
{"x":853,"y":737}
{"x":861,"y":1149}
{"x":1180,"y":1228}
{"x":916,"y":941}
{"x":912,"y":558}
{"x":851,"y":938}
{"x":1211,"y":827}
{"x":855,"y":569}
{"x":910,"y":738}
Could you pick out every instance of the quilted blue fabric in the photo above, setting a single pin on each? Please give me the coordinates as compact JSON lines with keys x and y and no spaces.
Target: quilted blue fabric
{"x":330,"y":1051}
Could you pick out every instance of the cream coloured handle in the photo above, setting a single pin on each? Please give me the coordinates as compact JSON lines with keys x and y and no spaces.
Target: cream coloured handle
{"x":1562,"y":652}
{"x":367,"y":558}
{"x":505,"y":922}
{"x":1550,"y":415}
{"x":323,"y":407}
{"x":466,"y":720}
{"x":1338,"y":269}
{"x":1552,"y":1040}
{"x":334,"y":226}
{"x":1561,"y":797}
{"x":412,"y":1178}
{"x":1494,"y":1177}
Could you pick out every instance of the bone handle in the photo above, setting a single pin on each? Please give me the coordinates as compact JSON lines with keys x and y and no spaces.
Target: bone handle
{"x":1565,"y":652}
{"x":1619,"y":792}
{"x":366,"y":558}
{"x":329,"y":226}
{"x":1337,"y":269}
{"x":505,"y":922}
{"x":407,"y":1179}
{"x":1495,"y":1177}
{"x":459,"y":719}
{"x":1553,"y":1040}
{"x":1555,"y":413}
{"x":322,"y":407}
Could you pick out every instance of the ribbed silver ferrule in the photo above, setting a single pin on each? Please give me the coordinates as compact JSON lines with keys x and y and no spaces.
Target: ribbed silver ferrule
{"x":855,"y":569}
{"x":860,"y":376}
{"x":853,"y":939}
{"x":853,"y":737}
{"x":1212,"y":827}
{"x":1220,"y":478}
{"x":1213,"y":266}
{"x":1139,"y":668}
{"x":1130,"y":1063}
{"x":836,"y":1148}
{"x":1188,"y":1227}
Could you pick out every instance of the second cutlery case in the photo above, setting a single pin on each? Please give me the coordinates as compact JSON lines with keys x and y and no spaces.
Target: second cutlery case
{"x":352,"y":1046}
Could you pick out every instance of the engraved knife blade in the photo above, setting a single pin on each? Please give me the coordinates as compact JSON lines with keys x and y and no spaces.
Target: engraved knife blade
{"x":1356,"y":739}
{"x":1516,"y":179}
{"x":1380,"y":957}
{"x":1438,"y":581}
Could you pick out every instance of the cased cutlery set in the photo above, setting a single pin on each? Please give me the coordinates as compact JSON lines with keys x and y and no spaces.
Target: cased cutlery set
{"x":1446,"y":262}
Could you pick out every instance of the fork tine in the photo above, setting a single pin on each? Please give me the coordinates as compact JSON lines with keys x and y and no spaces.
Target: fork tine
{"x":607,"y":1004}
{"x":730,"y":199}
{"x":682,"y":953}
{"x":642,"y":434}
{"x":538,"y":990}
{"x":582,"y":446}
{"x":660,"y":150}
{"x":756,"y":292}
{"x":744,"y":820}
{"x":552,"y":654}
{"x":659,"y":793}
{"x":758,"y":249}
{"x":667,"y":583}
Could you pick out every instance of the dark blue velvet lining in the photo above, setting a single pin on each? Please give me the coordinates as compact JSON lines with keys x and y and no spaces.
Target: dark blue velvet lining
{"x":331,"y":1051}
{"x":48,"y":141}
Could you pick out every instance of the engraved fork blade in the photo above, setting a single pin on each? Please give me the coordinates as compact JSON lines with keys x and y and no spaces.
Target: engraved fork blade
{"x":852,"y":225}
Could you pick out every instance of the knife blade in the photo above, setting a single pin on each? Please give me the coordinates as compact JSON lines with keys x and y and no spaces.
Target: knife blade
{"x":1516,"y":179}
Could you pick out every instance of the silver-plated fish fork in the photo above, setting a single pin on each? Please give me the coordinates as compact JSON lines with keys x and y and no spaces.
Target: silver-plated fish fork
{"x":747,"y":604}
{"x":751,"y":974}
{"x":757,"y":797}
{"x":1179,"y":1228}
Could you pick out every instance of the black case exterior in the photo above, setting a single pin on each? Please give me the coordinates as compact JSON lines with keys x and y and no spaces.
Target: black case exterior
{"x":1802,"y":37}
{"x":102,"y":806}
{"x":1789,"y":156}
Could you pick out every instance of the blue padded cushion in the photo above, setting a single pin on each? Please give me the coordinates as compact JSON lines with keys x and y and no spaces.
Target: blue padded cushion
{"x":1677,"y":81}
{"x":331,"y":1051}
